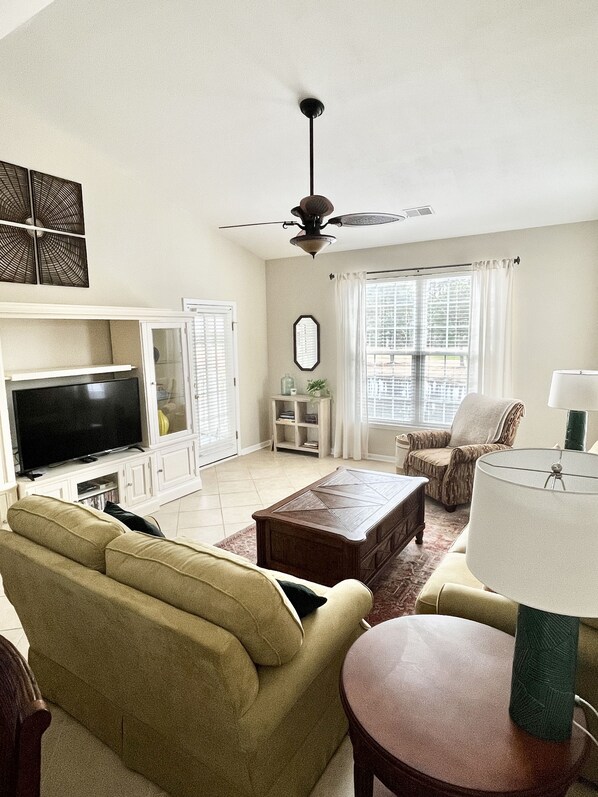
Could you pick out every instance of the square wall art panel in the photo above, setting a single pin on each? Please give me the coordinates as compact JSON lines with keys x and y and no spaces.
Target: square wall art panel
{"x":17,"y":255}
{"x":62,"y":260}
{"x":42,"y":229}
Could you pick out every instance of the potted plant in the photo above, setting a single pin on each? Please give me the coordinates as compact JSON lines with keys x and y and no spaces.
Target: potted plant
{"x":317,"y":387}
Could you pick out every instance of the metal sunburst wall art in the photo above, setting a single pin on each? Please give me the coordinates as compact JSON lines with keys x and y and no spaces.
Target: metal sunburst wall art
{"x":42,"y":229}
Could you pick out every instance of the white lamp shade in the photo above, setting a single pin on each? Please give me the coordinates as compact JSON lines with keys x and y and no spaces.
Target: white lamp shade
{"x":534,"y":544}
{"x":574,"y":390}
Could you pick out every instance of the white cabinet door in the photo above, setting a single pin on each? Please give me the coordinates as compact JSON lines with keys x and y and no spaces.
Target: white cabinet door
{"x":168,"y":388}
{"x":175,"y":466}
{"x":63,"y":490}
{"x":137,"y":482}
{"x":6,"y":499}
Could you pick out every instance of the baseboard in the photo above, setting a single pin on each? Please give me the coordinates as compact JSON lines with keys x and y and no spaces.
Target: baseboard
{"x":257,"y":447}
{"x":380,"y":457}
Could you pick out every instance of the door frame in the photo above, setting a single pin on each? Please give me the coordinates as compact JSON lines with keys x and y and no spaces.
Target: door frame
{"x":235,"y":363}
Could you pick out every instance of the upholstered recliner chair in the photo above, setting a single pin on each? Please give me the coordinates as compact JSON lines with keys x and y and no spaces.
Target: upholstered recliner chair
{"x":447,"y":458}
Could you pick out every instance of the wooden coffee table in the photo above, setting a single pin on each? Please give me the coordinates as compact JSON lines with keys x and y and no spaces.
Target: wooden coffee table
{"x":348,"y":524}
{"x":427,"y":699}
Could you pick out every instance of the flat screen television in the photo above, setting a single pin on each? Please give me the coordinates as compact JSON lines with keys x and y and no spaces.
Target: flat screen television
{"x":55,"y":424}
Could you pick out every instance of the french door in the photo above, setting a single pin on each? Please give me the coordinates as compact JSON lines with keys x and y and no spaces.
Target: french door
{"x":213,"y":354}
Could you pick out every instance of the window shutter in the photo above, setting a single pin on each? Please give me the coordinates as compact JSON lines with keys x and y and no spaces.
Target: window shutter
{"x":214,"y":380}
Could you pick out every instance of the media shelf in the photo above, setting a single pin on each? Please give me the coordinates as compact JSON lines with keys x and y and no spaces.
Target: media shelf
{"x":124,"y":477}
{"x":96,"y":492}
{"x":55,"y":373}
{"x":295,"y":432}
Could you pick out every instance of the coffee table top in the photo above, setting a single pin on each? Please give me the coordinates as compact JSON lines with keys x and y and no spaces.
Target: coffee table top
{"x":433,"y":692}
{"x":347,"y":502}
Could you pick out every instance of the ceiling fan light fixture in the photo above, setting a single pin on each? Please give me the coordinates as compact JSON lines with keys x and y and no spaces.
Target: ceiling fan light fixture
{"x":312,"y":244}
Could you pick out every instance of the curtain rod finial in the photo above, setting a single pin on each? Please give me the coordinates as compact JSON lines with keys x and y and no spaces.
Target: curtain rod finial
{"x":331,"y":276}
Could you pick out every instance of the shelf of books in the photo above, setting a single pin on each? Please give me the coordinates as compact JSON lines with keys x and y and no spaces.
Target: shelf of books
{"x":301,"y":424}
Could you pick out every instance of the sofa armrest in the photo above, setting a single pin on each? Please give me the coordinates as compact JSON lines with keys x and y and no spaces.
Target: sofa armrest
{"x":329,"y":633}
{"x":462,"y":454}
{"x":480,"y":605}
{"x":428,"y":438}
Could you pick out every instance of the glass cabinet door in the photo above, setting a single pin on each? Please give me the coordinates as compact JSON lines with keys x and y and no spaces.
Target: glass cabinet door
{"x":170,"y":384}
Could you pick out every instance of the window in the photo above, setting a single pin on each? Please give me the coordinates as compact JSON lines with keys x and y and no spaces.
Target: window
{"x":417,"y":349}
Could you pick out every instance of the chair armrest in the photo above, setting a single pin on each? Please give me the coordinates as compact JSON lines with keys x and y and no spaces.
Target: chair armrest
{"x":480,"y":605}
{"x":428,"y":438}
{"x":470,"y":453}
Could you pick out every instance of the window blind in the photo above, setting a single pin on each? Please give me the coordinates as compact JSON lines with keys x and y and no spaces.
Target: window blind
{"x":418,"y":331}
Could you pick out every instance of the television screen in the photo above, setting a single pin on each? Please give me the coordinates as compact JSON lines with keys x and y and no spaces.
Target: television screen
{"x":55,"y":424}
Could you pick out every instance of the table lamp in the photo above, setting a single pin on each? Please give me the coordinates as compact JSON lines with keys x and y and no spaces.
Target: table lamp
{"x":533,"y":537}
{"x":576,"y":391}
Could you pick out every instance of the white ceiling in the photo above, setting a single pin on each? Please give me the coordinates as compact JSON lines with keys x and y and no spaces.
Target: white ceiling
{"x":485,"y":109}
{"x":14,"y":13}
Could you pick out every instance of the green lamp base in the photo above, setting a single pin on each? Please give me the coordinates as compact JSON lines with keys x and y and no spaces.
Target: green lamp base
{"x":543,"y":683}
{"x":575,"y":436}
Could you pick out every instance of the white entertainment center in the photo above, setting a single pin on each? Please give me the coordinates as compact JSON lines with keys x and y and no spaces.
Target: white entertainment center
{"x":42,"y":344}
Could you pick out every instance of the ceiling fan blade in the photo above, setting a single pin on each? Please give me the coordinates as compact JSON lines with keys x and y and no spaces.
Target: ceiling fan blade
{"x":285,"y":224}
{"x":365,"y":219}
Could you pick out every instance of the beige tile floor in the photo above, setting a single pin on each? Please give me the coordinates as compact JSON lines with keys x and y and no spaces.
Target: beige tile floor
{"x":74,"y":762}
{"x":234,"y":489}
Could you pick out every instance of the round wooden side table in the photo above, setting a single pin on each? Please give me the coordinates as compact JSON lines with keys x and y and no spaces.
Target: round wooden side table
{"x":427,"y":698}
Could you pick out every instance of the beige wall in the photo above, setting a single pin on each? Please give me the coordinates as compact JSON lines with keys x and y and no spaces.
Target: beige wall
{"x":146,"y":248}
{"x":555,"y":311}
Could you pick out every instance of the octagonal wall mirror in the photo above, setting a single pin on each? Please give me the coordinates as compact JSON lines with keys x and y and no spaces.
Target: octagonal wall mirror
{"x":306,"y":342}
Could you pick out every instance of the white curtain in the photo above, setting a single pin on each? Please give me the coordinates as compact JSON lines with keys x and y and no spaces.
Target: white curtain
{"x":490,"y":369}
{"x":351,"y":428}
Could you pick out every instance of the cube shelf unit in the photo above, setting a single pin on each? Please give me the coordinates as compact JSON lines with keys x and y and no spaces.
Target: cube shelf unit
{"x":296,"y":433}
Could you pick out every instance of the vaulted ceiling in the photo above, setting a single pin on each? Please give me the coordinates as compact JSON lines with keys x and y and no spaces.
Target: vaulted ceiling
{"x":484,"y":109}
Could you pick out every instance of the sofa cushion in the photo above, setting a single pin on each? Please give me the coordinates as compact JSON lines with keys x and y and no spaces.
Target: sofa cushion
{"x":453,"y":569}
{"x":214,"y":584}
{"x":460,"y":544}
{"x":430,"y":461}
{"x":76,"y":531}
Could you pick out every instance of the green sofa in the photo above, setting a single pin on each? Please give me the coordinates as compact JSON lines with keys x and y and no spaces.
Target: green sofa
{"x":452,"y":589}
{"x":186,"y":660}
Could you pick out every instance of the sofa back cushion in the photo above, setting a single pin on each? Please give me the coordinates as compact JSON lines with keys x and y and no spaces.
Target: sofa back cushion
{"x":214,"y":584}
{"x":76,"y":531}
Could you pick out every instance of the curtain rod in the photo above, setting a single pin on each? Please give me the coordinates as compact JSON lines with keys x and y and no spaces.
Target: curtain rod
{"x":517,"y":260}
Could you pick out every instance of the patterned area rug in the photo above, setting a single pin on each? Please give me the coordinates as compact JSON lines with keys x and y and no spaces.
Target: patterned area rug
{"x":397,"y":587}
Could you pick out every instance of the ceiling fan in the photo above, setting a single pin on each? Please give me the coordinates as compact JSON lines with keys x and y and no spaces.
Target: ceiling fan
{"x":312,"y":210}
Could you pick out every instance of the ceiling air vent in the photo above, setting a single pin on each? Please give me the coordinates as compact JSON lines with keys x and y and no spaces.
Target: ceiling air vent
{"x":424,"y":210}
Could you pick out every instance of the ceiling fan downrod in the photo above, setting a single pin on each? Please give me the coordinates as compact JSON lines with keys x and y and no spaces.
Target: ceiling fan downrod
{"x":311,"y":108}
